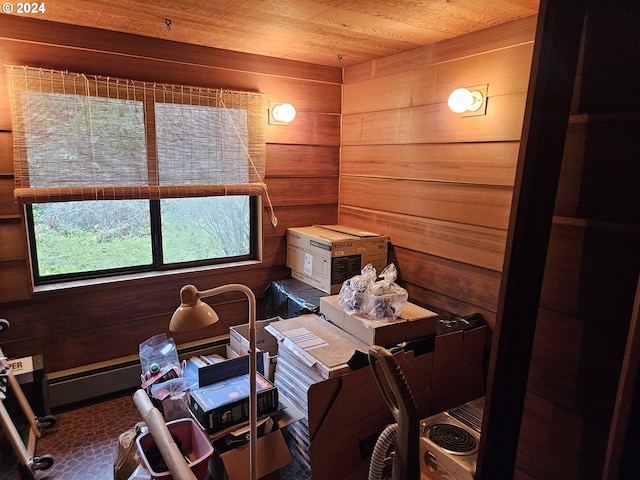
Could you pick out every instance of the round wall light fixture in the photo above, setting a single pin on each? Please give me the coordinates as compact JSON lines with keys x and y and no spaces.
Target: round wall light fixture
{"x":464,"y":100}
{"x":283,"y":112}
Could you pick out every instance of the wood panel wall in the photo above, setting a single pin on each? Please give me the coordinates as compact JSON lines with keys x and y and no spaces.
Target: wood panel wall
{"x":592,"y":267}
{"x":88,"y":323}
{"x":438,"y":184}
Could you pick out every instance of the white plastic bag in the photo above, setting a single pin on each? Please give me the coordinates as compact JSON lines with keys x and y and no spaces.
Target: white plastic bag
{"x":386,"y":298}
{"x":353,"y":295}
{"x":376,"y":298}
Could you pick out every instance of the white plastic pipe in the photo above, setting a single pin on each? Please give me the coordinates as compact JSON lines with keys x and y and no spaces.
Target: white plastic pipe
{"x":158,"y":429}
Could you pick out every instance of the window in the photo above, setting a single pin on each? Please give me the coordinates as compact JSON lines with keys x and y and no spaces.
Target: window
{"x":87,"y":239}
{"x":120,"y":176}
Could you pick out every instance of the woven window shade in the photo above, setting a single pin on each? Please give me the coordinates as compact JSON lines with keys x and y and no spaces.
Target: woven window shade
{"x":82,"y":137}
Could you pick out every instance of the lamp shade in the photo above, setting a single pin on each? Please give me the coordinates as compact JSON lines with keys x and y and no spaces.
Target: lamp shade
{"x":192,"y":313}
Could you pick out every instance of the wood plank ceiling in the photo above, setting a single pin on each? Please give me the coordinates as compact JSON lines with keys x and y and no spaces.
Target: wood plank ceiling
{"x":323,"y":32}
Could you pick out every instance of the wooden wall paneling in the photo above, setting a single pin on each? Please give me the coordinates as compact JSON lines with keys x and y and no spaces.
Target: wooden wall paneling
{"x":15,"y":283}
{"x":384,"y":92}
{"x":315,"y":160}
{"x":577,"y":443}
{"x":473,"y":204}
{"x":8,"y":205}
{"x":471,"y":244}
{"x":76,"y":316}
{"x":593,"y":261}
{"x":568,"y":355}
{"x":519,"y":474}
{"x":500,"y":36}
{"x":465,"y":283}
{"x":299,"y":216}
{"x":623,"y":414}
{"x":590,"y":270}
{"x":79,"y":347}
{"x":306,"y":95}
{"x":543,"y":136}
{"x":536,"y":433}
{"x":125,"y":66}
{"x":288,"y":191}
{"x":5,"y":111}
{"x":571,"y":438}
{"x":440,"y":300}
{"x":436,"y":124}
{"x":487,"y":163}
{"x":307,"y":129}
{"x":607,"y":72}
{"x":87,"y":313}
{"x":275,"y":250}
{"x":593,"y":189}
{"x":504,"y":70}
{"x":6,"y":150}
{"x":440,"y":185}
{"x":12,"y":240}
{"x":89,"y":39}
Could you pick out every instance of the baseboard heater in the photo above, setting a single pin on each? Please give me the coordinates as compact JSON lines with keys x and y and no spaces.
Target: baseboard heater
{"x":91,"y":382}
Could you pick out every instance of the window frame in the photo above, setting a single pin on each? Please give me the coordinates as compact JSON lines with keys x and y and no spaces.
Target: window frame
{"x":241,"y":170}
{"x":157,"y":264}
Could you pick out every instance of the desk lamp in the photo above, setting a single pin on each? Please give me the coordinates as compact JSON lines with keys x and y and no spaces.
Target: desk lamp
{"x":193,"y":313}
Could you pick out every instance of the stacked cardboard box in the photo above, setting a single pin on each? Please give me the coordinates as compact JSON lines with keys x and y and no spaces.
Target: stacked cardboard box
{"x":214,"y":377}
{"x":324,"y":256}
{"x":310,"y":350}
{"x":413,"y":322}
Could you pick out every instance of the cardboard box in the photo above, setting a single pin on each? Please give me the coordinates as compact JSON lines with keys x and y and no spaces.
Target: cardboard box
{"x":458,"y":374}
{"x":223,"y":404}
{"x":413,"y":322}
{"x":348,"y":413}
{"x":324,"y":258}
{"x":266,"y":344}
{"x":273,"y":454}
{"x":323,"y":348}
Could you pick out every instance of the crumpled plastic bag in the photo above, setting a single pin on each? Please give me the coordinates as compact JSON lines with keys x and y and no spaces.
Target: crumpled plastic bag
{"x":386,"y":298}
{"x":158,"y":353}
{"x":377,"y":298}
{"x":355,"y":290}
{"x":159,"y":360}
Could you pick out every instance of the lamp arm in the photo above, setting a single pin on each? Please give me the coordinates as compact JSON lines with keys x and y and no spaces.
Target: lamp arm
{"x":253,"y":395}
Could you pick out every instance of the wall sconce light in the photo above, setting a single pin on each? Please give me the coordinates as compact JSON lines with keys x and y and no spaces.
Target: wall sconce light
{"x":281,"y":113}
{"x":469,"y":101}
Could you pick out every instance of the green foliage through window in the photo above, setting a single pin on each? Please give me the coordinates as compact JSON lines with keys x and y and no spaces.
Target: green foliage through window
{"x":91,"y":238}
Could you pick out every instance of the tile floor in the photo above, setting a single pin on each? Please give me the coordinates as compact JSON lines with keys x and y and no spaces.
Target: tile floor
{"x":84,"y":443}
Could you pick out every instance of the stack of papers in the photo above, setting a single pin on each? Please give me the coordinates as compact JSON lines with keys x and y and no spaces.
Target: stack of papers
{"x":310,"y":350}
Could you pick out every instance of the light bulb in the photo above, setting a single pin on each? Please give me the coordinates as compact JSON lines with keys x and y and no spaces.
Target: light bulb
{"x":460,"y":100}
{"x":284,"y":112}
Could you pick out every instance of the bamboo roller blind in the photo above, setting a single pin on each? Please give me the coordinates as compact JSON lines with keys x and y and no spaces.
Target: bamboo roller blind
{"x":87,"y":137}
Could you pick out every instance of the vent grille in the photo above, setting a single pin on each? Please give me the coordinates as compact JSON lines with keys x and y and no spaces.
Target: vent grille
{"x":452,"y":438}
